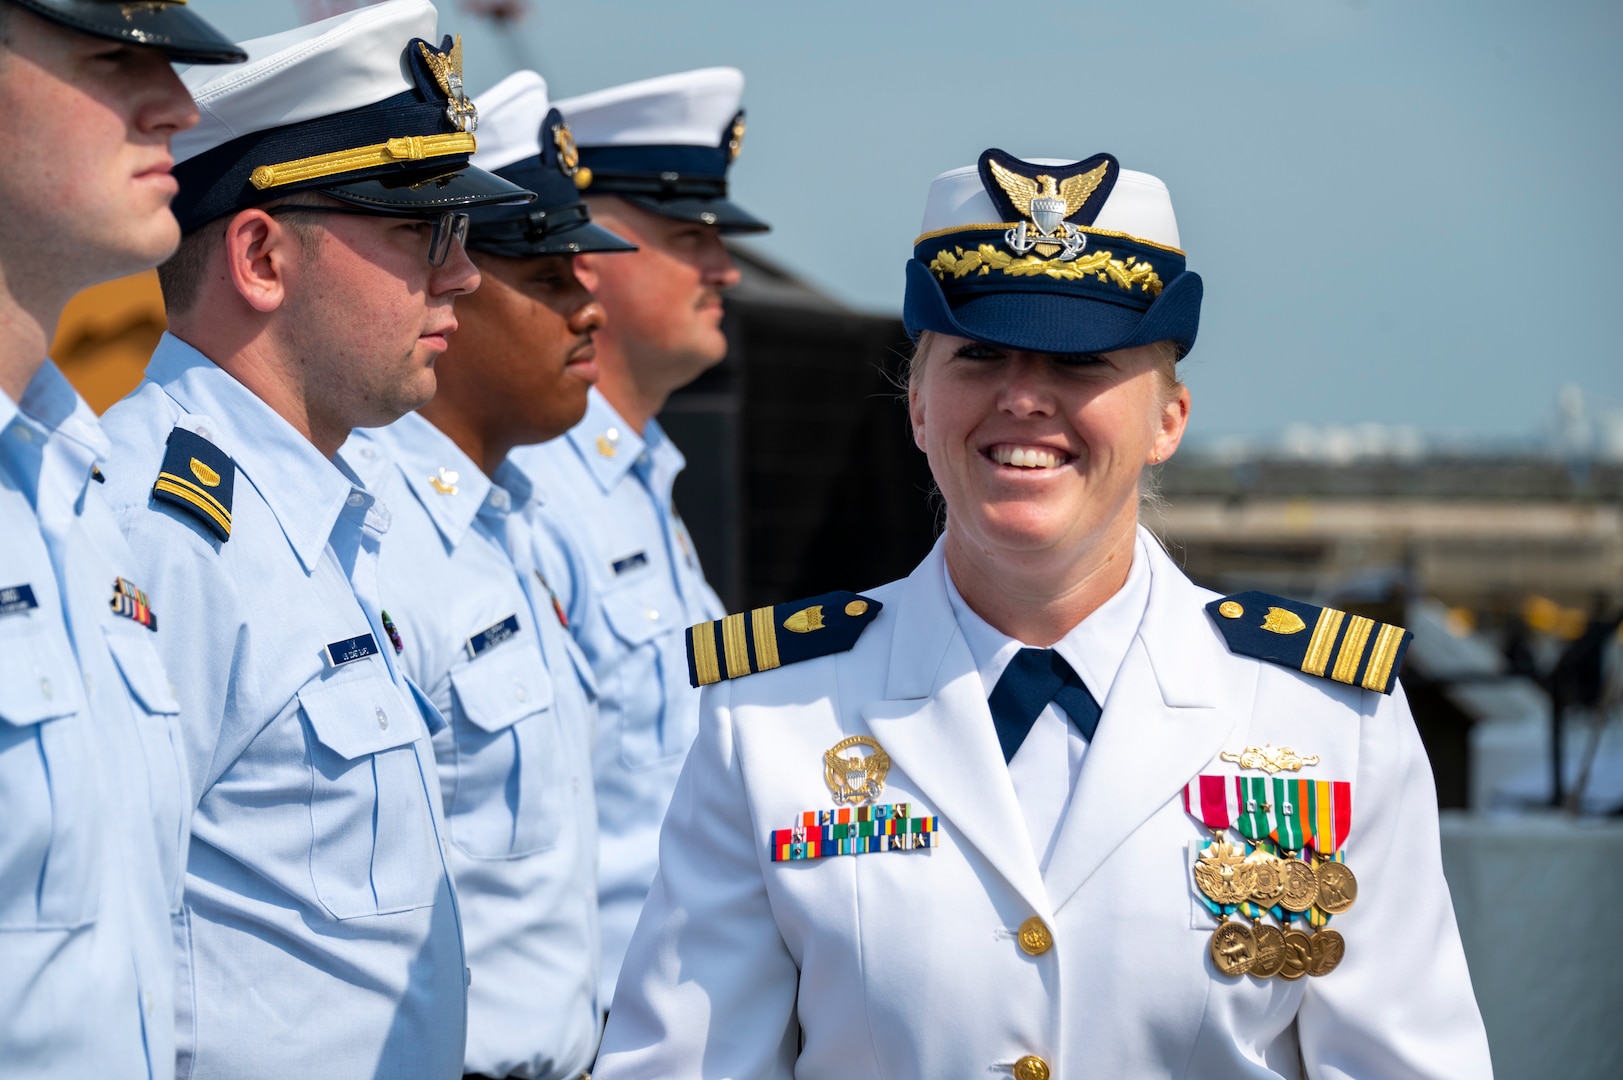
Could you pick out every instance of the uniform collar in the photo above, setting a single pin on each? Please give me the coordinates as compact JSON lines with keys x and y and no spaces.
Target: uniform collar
{"x":51,"y":410}
{"x":611,"y":448}
{"x":305,"y":491}
{"x":450,"y":486}
{"x":1094,"y":647}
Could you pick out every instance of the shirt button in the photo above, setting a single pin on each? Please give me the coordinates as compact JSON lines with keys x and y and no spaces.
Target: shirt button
{"x":1035,"y":938}
{"x":47,"y":689}
{"x":498,"y":499}
{"x":383,"y":719}
{"x":520,"y":692}
{"x":355,"y":498}
{"x":1031,"y":1067}
{"x":653,"y":614}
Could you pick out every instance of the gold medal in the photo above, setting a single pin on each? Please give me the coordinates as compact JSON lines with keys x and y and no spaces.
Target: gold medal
{"x":1267,"y":882}
{"x":1223,"y":874}
{"x":1325,"y":950}
{"x":1338,"y":888}
{"x":1270,"y":951}
{"x":1233,"y":948}
{"x":1298,"y":955}
{"x":1301,"y":887}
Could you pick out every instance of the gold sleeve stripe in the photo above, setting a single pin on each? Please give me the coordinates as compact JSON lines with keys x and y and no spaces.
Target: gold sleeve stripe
{"x":1324,"y":637}
{"x":766,"y":639}
{"x":1380,"y":660}
{"x":408,"y":148}
{"x":196,"y":492}
{"x":202,"y":502}
{"x":1352,"y":649}
{"x":705,"y":666}
{"x":735,"y":646}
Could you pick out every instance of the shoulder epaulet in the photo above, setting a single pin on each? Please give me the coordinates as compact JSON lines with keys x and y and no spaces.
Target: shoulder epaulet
{"x":197,"y":476}
{"x":770,"y":637}
{"x":1321,"y":641}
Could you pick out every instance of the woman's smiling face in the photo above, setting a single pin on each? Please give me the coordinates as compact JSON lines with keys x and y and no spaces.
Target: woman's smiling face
{"x":1038,"y":453}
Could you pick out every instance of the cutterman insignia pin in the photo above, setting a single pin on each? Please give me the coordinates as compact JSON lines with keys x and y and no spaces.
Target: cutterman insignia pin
{"x":770,"y":637}
{"x":197,"y":476}
{"x":1321,"y":641}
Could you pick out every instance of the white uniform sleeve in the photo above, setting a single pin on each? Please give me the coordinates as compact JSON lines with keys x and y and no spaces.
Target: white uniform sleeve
{"x":1401,"y":1002}
{"x":708,"y":987}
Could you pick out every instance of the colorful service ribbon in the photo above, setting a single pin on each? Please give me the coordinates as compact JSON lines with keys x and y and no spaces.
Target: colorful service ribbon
{"x":1289,"y":811}
{"x":854,"y":831}
{"x":1330,"y":810}
{"x":1211,"y":800}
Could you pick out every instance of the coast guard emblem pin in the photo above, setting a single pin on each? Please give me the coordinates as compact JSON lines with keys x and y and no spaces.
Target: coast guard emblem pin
{"x":858,"y":777}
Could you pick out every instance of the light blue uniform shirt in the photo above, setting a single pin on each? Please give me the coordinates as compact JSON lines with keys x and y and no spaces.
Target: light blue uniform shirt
{"x":92,"y":797}
{"x":318,"y":934}
{"x":628,"y":576}
{"x":481,"y":639}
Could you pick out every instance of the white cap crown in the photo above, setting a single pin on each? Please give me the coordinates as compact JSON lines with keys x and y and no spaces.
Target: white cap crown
{"x":689,"y":108}
{"x":510,"y":115}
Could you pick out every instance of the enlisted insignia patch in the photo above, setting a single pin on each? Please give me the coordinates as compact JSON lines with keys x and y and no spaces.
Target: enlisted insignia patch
{"x":197,"y":476}
{"x":131,"y":603}
{"x":491,"y":636}
{"x":16,"y":599}
{"x":770,"y":637}
{"x":1321,"y":641}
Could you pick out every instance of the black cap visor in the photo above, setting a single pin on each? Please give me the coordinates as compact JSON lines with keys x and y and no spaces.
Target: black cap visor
{"x":724,"y":214}
{"x":542,"y":233}
{"x":171,"y":28}
{"x":426,"y":191}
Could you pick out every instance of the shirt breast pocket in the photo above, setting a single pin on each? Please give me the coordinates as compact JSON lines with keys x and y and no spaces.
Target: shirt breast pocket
{"x":507,"y":800}
{"x":156,"y":715}
{"x":648,"y":622}
{"x":50,"y":839}
{"x":372,"y":849}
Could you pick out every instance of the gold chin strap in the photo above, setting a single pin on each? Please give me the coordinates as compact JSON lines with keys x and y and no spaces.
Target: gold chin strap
{"x":409,"y":148}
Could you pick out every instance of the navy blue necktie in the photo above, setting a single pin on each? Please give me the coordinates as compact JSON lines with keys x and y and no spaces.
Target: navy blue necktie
{"x":1034,"y":678}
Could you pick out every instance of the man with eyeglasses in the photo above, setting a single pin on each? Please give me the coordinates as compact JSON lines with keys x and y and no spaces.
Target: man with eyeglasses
{"x":92,"y":806}
{"x":323,"y":199}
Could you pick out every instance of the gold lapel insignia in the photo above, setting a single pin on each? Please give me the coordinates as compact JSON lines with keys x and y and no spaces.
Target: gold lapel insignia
{"x":856,"y":778}
{"x":445,"y":481}
{"x":1269,"y":758}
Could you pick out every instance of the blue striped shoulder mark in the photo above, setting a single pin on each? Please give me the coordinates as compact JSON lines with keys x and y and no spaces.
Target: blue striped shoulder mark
{"x":1322,"y":641}
{"x":197,"y":476}
{"x":770,"y":637}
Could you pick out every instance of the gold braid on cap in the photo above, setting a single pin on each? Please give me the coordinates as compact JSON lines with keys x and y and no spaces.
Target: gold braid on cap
{"x":408,"y":148}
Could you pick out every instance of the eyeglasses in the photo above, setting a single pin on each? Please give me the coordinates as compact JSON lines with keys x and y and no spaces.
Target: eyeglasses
{"x":450,"y":227}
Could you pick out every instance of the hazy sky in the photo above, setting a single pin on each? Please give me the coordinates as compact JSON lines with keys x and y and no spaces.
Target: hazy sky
{"x":1404,"y":212}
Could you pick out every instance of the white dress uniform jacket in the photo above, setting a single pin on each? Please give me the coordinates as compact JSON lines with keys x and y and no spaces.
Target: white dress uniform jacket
{"x":318,"y":934}
{"x":93,"y":799}
{"x":626,"y":571}
{"x":515,"y":760}
{"x":906,"y":963}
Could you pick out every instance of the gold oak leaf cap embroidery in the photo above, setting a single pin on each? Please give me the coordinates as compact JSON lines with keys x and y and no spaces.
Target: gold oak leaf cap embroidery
{"x":769,"y":637}
{"x":1322,"y":641}
{"x":197,"y":477}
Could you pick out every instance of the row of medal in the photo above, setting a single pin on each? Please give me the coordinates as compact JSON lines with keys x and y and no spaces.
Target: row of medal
{"x":1273,"y":872}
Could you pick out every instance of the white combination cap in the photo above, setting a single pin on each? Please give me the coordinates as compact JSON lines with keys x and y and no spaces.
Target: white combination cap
{"x":1139,"y":205}
{"x":510,"y":116}
{"x":689,"y":108}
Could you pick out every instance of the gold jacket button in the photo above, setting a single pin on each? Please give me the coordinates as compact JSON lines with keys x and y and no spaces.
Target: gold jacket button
{"x":1031,"y":1067}
{"x":1035,"y":939}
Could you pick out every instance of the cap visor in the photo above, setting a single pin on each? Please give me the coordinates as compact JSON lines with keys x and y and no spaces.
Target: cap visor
{"x":579,"y":239}
{"x":420,"y":190}
{"x":171,"y":28}
{"x":1053,"y":322}
{"x":724,"y":214}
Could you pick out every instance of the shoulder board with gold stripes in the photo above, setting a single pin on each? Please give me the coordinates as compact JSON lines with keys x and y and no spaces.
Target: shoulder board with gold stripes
{"x":770,"y":637}
{"x":1318,"y":640}
{"x":197,"y":476}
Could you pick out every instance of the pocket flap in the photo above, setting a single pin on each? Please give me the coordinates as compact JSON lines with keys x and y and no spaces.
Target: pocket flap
{"x":36,"y":684}
{"x":141,"y":667}
{"x":499,"y":690}
{"x":354,"y":716}
{"x":644,"y":613}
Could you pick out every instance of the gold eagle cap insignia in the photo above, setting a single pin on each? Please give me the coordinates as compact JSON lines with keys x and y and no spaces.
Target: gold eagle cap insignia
{"x":857,"y":778}
{"x":1022,"y":189}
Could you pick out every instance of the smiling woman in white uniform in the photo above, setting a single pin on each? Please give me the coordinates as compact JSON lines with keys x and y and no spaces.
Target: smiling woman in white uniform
{"x":909,"y":842}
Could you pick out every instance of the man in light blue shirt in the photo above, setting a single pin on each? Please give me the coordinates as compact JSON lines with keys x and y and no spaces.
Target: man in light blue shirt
{"x":472,"y":616}
{"x":318,"y":933}
{"x":654,"y":157}
{"x":92,"y":799}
